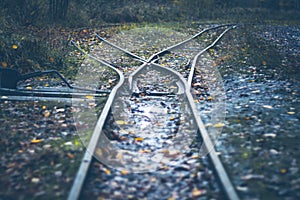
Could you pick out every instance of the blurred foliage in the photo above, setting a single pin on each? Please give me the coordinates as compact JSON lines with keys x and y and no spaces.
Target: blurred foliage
{"x":91,"y":12}
{"x":35,"y":26}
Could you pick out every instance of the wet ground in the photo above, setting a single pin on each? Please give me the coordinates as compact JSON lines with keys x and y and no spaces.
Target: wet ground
{"x":260,"y":142}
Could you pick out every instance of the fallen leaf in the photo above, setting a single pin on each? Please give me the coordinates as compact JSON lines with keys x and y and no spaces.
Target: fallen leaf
{"x":71,"y":156}
{"x":121,"y":122}
{"x":138,"y":139}
{"x":124,"y":172}
{"x":219,"y":125}
{"x":14,"y":46}
{"x":196,"y":192}
{"x":283,"y":171}
{"x":210,"y":98}
{"x":99,"y":152}
{"x":4,"y":64}
{"x":145,"y":151}
{"x":35,"y":141}
{"x":51,"y":59}
{"x":107,"y":171}
{"x":47,"y":113}
{"x":90,"y":97}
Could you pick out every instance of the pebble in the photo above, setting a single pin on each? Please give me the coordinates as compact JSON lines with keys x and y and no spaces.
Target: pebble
{"x":58,"y":173}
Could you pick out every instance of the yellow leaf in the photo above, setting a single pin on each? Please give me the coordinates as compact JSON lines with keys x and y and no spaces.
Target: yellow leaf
{"x":44,"y":107}
{"x":28,"y":88}
{"x":138,"y":139}
{"x":4,"y":64}
{"x":283,"y":171}
{"x":35,"y":141}
{"x":145,"y":151}
{"x":119,"y":156}
{"x":196,"y":192}
{"x":77,"y":143}
{"x":166,"y":151}
{"x":99,"y":152}
{"x":107,"y":171}
{"x":245,"y":155}
{"x":210,"y":98}
{"x":219,"y":125}
{"x":47,"y":113}
{"x":90,"y":97}
{"x":291,"y":113}
{"x":121,"y":122}
{"x":14,"y":46}
{"x":124,"y":172}
{"x":51,"y":59}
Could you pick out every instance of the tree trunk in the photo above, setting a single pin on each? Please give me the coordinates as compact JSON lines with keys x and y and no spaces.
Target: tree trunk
{"x":58,"y":9}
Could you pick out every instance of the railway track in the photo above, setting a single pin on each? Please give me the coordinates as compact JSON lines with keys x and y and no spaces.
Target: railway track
{"x":150,"y":127}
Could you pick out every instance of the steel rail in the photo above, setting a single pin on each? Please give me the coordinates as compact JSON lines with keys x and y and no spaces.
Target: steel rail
{"x":43,"y":98}
{"x":150,"y":59}
{"x":218,"y":166}
{"x":190,"y":78}
{"x":154,"y":57}
{"x":121,"y":49}
{"x":209,"y":147}
{"x":49,"y":93}
{"x":87,"y":158}
{"x":183,"y":42}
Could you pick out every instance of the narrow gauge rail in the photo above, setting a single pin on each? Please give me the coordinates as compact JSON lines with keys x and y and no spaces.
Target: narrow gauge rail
{"x":181,"y":91}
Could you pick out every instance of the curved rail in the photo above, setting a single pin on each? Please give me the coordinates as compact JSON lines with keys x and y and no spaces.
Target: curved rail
{"x":120,"y":48}
{"x":208,"y":145}
{"x":87,"y":158}
{"x":190,"y":78}
{"x":154,"y":56}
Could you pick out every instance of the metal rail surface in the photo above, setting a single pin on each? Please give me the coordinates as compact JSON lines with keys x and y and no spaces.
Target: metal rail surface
{"x":218,"y":167}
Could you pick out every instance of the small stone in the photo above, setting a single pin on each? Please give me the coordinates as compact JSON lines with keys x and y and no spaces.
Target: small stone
{"x":242,"y":188}
{"x":47,"y":146}
{"x":267,"y":106}
{"x":68,"y":143}
{"x":274,"y":152}
{"x":272,"y":135}
{"x":35,"y":180}
{"x":58,"y":173}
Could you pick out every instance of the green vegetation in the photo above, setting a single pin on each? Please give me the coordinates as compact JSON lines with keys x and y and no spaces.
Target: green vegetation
{"x":34,"y":34}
